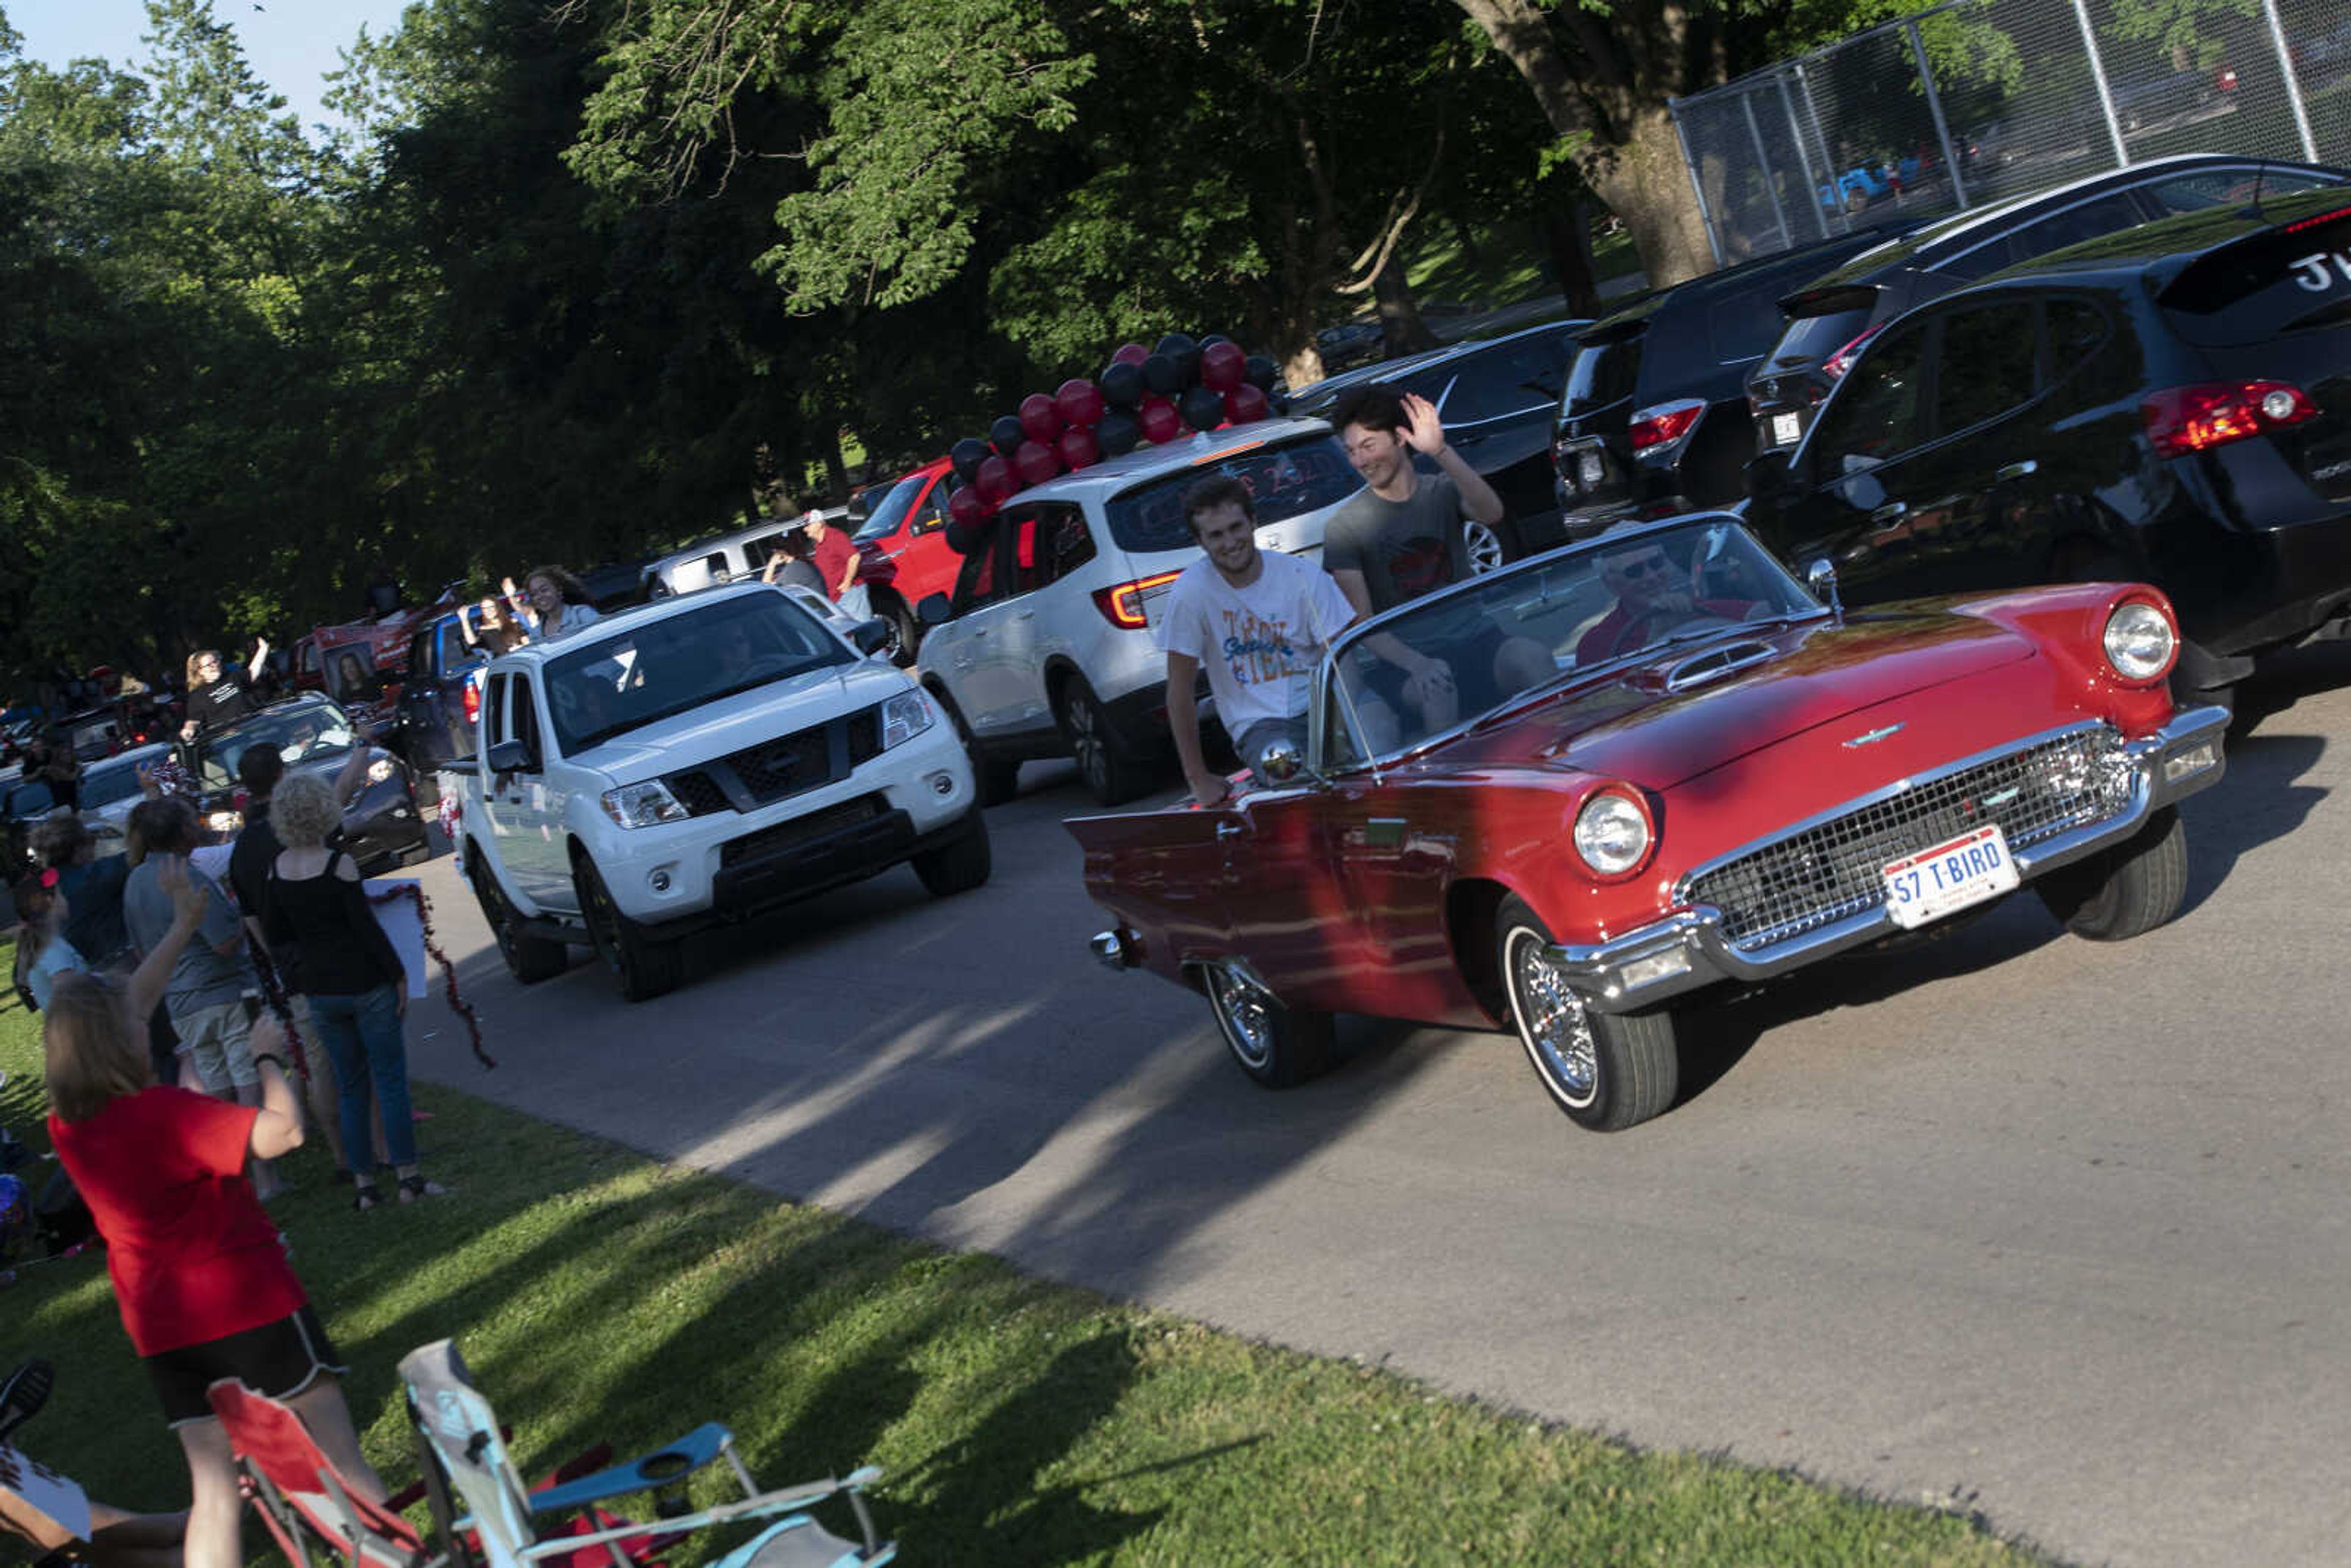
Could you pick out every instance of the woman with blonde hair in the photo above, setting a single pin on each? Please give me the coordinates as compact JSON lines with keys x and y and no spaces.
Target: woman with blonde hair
{"x":316,"y":909}
{"x":215,"y":694}
{"x":199,"y":1271}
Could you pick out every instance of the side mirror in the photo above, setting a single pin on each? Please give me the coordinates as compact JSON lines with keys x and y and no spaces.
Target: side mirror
{"x":933,"y":609}
{"x":1820,"y":576}
{"x":508,"y":756}
{"x":871,"y":636}
{"x":1770,"y":477}
{"x":1280,"y":763}
{"x":860,"y":510}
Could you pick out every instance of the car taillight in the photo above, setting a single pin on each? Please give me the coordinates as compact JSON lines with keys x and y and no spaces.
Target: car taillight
{"x":473,"y":700}
{"x":2181,"y":420}
{"x":1127,"y":605}
{"x":1664,"y":422}
{"x":1836,"y":364}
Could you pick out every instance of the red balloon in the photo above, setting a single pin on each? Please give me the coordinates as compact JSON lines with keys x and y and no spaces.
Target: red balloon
{"x":970,"y":507}
{"x":1130,"y":354}
{"x":1039,"y":419}
{"x":994,"y":480}
{"x":1223,"y":366}
{"x":1077,"y":447}
{"x":1245,"y":403}
{"x":1078,"y":402}
{"x":1159,"y":420}
{"x":1035,"y":461}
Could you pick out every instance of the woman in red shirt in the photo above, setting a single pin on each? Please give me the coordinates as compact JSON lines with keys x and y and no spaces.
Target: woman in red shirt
{"x":200,"y":1271}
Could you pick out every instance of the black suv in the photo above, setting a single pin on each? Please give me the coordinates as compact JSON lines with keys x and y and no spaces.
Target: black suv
{"x":1496,"y":397}
{"x":1654,"y":419}
{"x":2171,"y":404}
{"x":1832,"y":317}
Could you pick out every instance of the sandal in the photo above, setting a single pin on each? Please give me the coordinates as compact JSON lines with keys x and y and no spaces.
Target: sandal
{"x":365,"y":1196}
{"x":416,"y":1186}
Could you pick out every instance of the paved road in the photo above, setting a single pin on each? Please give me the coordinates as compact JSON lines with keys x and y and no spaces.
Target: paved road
{"x":2021,"y":1224}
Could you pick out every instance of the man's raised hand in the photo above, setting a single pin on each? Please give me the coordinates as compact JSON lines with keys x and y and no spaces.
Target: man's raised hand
{"x":1424,"y":431}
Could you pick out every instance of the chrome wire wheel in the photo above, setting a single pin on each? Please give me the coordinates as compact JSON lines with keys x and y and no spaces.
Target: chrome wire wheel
{"x":1484,"y":546}
{"x":1245,"y":1012}
{"x":1554,"y":1024}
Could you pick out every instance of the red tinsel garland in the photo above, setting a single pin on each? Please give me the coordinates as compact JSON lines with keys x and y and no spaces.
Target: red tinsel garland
{"x":458,"y":1004}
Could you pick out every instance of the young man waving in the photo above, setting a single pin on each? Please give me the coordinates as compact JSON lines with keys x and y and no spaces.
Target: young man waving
{"x":1257,"y":622}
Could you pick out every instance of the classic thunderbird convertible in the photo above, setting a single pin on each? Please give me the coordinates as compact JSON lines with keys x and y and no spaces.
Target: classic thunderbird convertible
{"x":1726,"y":779}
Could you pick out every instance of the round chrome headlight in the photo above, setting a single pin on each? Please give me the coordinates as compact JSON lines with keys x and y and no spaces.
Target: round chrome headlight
{"x":2139,"y":641}
{"x":1611,"y":833}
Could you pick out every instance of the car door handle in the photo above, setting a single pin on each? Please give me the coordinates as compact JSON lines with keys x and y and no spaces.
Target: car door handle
{"x":1228,"y":831}
{"x":2017,"y":470}
{"x":1892,"y":512}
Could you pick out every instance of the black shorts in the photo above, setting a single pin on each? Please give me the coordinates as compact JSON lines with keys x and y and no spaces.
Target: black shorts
{"x":280,"y":1359}
{"x":1472,"y":658}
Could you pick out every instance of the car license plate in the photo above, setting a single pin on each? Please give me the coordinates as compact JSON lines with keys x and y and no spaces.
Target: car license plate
{"x":1587,"y":471}
{"x":1949,"y":877}
{"x":1786,"y":428}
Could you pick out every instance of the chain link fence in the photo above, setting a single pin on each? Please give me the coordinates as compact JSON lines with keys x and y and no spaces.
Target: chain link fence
{"x":1975,"y":101}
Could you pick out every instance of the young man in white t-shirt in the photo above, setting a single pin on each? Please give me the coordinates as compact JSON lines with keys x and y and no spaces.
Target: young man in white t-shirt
{"x":1258,"y":622}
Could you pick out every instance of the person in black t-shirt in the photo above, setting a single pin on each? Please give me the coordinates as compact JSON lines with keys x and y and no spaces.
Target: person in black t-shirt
{"x":216,"y":696}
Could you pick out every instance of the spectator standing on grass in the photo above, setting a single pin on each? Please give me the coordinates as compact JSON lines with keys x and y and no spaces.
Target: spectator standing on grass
{"x":92,"y":885}
{"x":43,"y":950}
{"x":205,"y":994}
{"x":216,"y":696}
{"x":259,"y":769}
{"x":316,"y":908}
{"x":835,"y":556}
{"x":554,"y":603}
{"x":200,"y":1273}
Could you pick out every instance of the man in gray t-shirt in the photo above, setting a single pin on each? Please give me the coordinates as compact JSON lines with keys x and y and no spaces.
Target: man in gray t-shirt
{"x":1400,"y":537}
{"x":206,"y":994}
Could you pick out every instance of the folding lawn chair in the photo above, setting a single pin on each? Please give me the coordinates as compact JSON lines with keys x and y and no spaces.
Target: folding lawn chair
{"x":476,"y":1489}
{"x":300,"y":1495}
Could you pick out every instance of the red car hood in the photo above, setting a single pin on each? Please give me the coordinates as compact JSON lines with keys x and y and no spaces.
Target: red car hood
{"x":1628,"y":725}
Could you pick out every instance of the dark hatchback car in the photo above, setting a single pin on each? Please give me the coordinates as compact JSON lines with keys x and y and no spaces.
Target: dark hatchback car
{"x":1497,"y":397}
{"x":381,"y":826}
{"x":440,"y":695}
{"x":1654,"y":417}
{"x":2171,"y":404}
{"x":1830,"y":318}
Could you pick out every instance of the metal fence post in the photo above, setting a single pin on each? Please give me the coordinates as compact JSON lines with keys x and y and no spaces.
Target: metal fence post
{"x":2292,"y":86}
{"x":1804,"y":159}
{"x":2105,"y":93}
{"x":1828,"y":163}
{"x":1764,"y":163}
{"x":1697,"y":186}
{"x":1934,"y":108}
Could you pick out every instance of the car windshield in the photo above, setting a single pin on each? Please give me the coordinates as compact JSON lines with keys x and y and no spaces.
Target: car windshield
{"x":671,"y":665}
{"x":299,"y":730}
{"x":1283,"y":481}
{"x":118,"y":780}
{"x":891,"y":509}
{"x":1562,"y":612}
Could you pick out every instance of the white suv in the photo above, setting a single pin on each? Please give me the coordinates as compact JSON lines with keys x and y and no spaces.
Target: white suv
{"x":697,"y":761}
{"x":1048,"y":645}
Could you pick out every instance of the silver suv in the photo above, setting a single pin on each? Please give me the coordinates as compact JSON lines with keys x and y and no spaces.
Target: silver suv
{"x":1049,"y":646}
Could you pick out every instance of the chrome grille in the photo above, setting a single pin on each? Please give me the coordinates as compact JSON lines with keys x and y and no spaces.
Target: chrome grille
{"x":1830,"y":872}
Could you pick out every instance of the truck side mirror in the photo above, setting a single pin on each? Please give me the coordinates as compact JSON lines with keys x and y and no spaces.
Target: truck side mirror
{"x":508,"y":756}
{"x":871,"y":636}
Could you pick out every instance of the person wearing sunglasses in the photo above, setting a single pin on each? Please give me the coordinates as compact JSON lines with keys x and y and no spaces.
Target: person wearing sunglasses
{"x":1652,"y":599}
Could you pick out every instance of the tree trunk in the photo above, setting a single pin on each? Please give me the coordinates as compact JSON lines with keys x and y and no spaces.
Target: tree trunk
{"x":1645,"y":182}
{"x":1402,"y":331}
{"x":836,"y":472}
{"x":1566,"y":228}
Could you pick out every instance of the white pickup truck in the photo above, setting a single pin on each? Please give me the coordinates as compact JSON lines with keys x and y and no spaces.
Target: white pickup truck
{"x":693,"y":762}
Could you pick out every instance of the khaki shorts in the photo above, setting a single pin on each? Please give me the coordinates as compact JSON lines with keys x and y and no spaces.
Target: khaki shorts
{"x":218,"y":1040}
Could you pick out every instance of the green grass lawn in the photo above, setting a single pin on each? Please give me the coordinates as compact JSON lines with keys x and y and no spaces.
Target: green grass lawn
{"x":1506,"y":266}
{"x":602,"y":1296}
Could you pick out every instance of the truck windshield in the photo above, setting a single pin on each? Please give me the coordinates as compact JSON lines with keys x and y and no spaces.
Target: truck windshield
{"x":660,"y":669}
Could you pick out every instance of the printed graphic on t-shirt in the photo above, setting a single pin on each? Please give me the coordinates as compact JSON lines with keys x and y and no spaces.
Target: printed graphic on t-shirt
{"x":1421,"y":565}
{"x":1256,"y":650}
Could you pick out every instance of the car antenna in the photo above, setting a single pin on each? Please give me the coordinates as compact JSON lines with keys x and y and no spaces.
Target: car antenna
{"x":2260,"y":177}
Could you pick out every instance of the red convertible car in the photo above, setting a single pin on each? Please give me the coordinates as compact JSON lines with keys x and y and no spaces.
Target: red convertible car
{"x":1727,"y":778}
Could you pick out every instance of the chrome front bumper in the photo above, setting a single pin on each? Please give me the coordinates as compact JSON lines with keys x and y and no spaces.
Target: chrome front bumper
{"x":1688,"y":949}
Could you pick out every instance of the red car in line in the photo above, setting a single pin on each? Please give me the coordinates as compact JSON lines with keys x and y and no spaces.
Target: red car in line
{"x":1726,"y":780}
{"x":903,"y":536}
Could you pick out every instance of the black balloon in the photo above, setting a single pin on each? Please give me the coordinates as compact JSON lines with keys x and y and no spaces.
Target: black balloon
{"x":1201,"y":408}
{"x":960,"y":538}
{"x":1008,"y":435}
{"x":1117,"y":433}
{"x":1163,"y":375}
{"x":1260,"y":372}
{"x":1121,"y":384}
{"x":1180,"y":348}
{"x":966,"y":455}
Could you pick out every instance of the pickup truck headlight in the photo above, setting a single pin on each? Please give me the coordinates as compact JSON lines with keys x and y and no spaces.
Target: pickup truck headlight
{"x":643,"y":805}
{"x":904,"y":716}
{"x":225,"y":822}
{"x":382,"y":768}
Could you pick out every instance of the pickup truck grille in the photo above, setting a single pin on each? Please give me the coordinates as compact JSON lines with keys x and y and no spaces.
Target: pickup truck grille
{"x":776,"y":769}
{"x":799,"y":830}
{"x":1829,"y":871}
